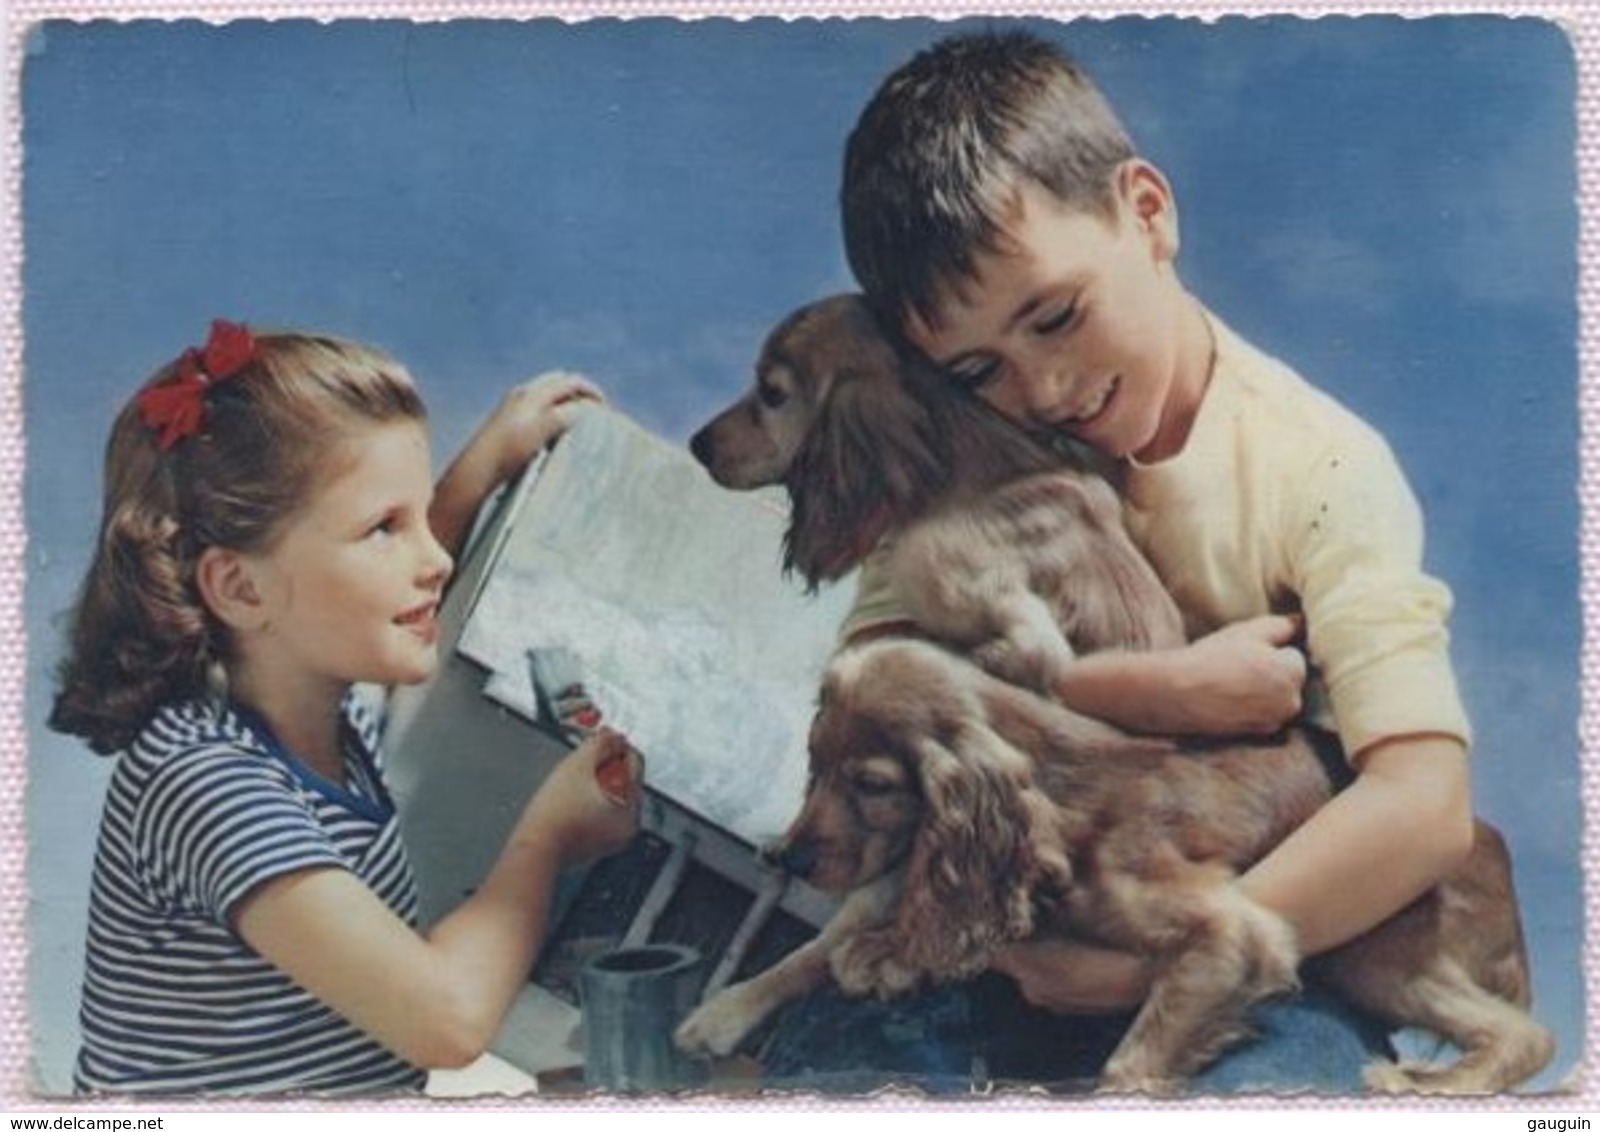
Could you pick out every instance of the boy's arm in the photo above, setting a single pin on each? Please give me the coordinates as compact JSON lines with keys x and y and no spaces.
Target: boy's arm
{"x":1244,"y":679}
{"x":1403,"y":824}
{"x":1070,"y":977}
{"x":529,"y":418}
{"x":1376,"y":625}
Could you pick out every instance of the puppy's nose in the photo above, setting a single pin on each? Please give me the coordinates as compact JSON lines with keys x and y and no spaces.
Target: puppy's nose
{"x":798,"y":860}
{"x":703,"y":447}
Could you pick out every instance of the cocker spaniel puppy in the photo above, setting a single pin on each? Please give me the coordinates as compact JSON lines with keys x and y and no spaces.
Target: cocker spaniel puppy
{"x":959,"y":812}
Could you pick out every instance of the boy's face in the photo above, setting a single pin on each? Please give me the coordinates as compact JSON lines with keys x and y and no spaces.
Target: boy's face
{"x":1080,"y":325}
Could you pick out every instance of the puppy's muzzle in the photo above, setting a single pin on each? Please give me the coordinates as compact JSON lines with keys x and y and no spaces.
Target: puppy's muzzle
{"x":798,"y":860}
{"x":703,"y":447}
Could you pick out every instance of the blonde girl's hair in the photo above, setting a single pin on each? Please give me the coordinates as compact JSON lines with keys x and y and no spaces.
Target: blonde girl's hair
{"x":140,"y":635}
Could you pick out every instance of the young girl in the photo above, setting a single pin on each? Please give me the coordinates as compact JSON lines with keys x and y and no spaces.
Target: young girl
{"x":271,"y":538}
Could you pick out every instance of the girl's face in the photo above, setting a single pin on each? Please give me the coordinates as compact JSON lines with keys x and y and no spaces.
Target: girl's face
{"x":350,"y":589}
{"x":1078,"y":325}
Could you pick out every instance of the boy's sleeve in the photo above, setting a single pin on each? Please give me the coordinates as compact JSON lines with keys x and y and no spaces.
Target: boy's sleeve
{"x":214,"y":824}
{"x":1375,"y":621}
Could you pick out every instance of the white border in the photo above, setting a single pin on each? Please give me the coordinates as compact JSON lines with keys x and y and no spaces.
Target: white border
{"x":1580,"y":19}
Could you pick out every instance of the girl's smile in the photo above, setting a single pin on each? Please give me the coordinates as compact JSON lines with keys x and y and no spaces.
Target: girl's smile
{"x":423,"y":621}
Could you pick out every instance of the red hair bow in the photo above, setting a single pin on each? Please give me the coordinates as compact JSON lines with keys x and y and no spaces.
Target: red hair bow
{"x":176,"y":407}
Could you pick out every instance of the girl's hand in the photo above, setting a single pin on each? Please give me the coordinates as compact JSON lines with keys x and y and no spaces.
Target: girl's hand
{"x":530,"y":417}
{"x":1244,"y":679}
{"x":572,"y":812}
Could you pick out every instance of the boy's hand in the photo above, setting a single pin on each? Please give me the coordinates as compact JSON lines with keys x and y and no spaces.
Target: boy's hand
{"x":1244,"y":679}
{"x":571,"y":809}
{"x":531,"y":416}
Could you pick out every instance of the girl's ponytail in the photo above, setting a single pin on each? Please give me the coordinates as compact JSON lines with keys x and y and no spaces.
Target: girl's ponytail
{"x":140,"y":635}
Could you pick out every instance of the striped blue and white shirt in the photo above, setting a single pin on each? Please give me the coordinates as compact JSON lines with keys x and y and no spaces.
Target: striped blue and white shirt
{"x":203,"y":808}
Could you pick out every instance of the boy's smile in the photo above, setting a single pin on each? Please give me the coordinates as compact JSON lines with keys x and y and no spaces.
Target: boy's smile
{"x":1079,"y":324}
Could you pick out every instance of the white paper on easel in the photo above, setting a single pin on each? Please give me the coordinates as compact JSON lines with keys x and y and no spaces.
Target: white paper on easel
{"x":669,"y":588}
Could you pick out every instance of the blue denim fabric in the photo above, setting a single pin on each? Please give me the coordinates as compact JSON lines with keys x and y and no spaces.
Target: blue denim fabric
{"x":1312,"y":1043}
{"x":830,"y":1043}
{"x":981,"y":1035}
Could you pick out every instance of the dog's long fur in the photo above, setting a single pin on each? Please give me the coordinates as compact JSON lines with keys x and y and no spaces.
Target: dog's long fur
{"x":1003,"y":816}
{"x":964,"y":812}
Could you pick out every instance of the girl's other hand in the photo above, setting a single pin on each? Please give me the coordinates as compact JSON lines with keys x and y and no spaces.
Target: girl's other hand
{"x":532,"y":415}
{"x":571,"y":810}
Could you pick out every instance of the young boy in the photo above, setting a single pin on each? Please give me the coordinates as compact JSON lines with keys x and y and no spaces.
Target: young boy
{"x":995,"y":210}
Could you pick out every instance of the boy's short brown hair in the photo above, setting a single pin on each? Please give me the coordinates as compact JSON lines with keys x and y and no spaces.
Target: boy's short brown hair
{"x":933,"y":165}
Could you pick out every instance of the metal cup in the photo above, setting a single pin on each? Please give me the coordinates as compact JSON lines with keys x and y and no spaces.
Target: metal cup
{"x":633,"y":999}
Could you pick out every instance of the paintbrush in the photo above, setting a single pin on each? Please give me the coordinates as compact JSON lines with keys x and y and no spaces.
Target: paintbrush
{"x":564,"y":704}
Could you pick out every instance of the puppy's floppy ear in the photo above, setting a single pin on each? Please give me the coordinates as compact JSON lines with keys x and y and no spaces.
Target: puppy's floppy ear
{"x":987,"y":846}
{"x":870,"y":462}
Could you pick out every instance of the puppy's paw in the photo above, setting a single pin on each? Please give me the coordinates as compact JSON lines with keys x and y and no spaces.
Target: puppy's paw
{"x":717,"y":1026}
{"x":1384,"y":1076}
{"x":872,"y":963}
{"x":1273,"y":955}
{"x":1004,"y":659}
{"x":1388,"y":1077}
{"x":1128,"y":1078}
